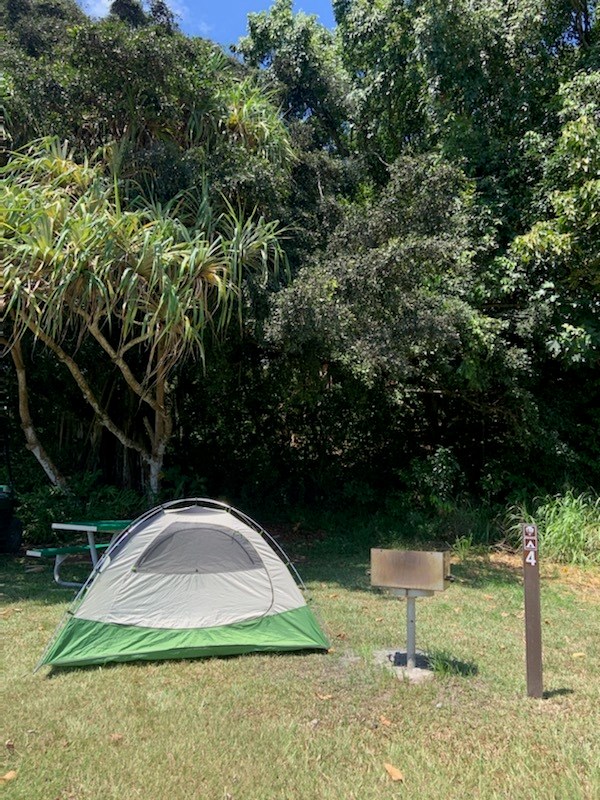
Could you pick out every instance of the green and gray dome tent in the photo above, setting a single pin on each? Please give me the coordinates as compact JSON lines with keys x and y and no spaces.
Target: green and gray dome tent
{"x":189,"y":578}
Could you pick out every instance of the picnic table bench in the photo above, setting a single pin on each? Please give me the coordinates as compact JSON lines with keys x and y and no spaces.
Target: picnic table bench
{"x":92,"y":548}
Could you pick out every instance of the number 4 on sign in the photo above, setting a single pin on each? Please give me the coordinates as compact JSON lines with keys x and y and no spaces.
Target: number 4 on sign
{"x":530,"y":558}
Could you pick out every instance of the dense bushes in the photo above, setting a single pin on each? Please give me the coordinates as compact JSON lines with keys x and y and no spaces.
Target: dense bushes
{"x":87,"y":499}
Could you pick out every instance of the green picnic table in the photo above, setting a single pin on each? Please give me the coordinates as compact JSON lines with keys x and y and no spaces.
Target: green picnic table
{"x":92,"y":548}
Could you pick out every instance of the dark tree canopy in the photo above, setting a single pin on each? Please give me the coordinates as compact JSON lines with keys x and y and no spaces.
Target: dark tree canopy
{"x":433,"y":172}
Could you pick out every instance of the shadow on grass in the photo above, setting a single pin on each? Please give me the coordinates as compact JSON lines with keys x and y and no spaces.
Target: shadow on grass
{"x":442,"y":663}
{"x":439,"y":662}
{"x":481,"y":572}
{"x":557,"y":693}
{"x":19,"y":584}
{"x":155,"y":663}
{"x":353,"y":573}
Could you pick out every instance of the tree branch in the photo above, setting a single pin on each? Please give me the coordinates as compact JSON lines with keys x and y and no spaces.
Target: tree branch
{"x":118,"y":360}
{"x":87,"y":392}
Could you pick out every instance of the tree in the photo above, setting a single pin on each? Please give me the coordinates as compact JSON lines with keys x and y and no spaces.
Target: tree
{"x":145,"y":286}
{"x":298,"y":59}
{"x":130,"y":12}
{"x":386,"y":296}
{"x":377,"y":43}
{"x":161,"y":14}
{"x":558,"y":257}
{"x":492,"y":72}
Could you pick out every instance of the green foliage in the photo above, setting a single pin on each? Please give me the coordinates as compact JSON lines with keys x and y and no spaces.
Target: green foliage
{"x":392,"y":254}
{"x":436,"y":169}
{"x":72,"y":258}
{"x":463,"y":547}
{"x":377,"y":42}
{"x":182,"y":113}
{"x":87,"y":499}
{"x":437,"y":478}
{"x":568,"y":524}
{"x":130,"y":12}
{"x":36,"y":27}
{"x":559,"y":253}
{"x":144,"y":285}
{"x":299,"y":60}
{"x":492,"y":73}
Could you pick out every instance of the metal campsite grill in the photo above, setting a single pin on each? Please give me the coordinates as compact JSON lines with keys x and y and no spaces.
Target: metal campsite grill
{"x":409,"y":574}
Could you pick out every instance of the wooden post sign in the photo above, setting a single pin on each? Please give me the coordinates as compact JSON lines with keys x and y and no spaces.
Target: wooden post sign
{"x":533,"y":614}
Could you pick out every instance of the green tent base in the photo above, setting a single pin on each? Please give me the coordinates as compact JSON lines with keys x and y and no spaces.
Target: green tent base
{"x":85,"y":642}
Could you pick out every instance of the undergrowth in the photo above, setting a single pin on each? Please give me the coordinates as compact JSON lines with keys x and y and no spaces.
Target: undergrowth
{"x":568,"y":525}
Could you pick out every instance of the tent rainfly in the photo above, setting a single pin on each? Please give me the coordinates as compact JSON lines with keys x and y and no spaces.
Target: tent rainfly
{"x":190,"y":578}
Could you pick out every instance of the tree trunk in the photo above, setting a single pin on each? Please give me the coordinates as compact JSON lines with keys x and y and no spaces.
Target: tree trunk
{"x":155,"y":467}
{"x":163,"y":427}
{"x":31,"y":437}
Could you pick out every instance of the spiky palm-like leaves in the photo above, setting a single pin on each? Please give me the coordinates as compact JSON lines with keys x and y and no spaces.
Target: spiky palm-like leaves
{"x":137,"y":281}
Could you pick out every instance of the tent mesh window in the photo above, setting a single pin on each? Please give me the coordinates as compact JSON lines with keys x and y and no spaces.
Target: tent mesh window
{"x":186,"y":548}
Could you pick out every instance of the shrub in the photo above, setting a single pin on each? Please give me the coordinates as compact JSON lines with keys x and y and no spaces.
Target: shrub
{"x":85,"y":500}
{"x":568,"y":525}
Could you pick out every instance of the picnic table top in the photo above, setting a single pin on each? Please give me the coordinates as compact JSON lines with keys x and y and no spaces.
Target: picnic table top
{"x":91,"y":526}
{"x":101,"y":525}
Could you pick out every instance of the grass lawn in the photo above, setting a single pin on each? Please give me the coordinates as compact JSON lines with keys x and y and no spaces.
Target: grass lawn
{"x":304,"y":726}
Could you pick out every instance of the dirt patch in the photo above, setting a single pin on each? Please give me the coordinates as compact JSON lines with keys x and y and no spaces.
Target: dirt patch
{"x":395,"y":661}
{"x":583,"y":580}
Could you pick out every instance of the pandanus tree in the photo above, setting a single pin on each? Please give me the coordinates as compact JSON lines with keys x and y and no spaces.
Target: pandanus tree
{"x":145,"y":285}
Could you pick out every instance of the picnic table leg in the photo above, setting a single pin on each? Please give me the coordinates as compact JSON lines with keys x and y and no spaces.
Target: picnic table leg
{"x":57,"y":564}
{"x":92,"y":544}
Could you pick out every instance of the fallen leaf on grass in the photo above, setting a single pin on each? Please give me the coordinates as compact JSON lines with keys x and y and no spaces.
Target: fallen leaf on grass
{"x":385,"y":721}
{"x":10,"y":776}
{"x":333,"y":596}
{"x":378,"y":619}
{"x":324,"y":696}
{"x":578,"y":655}
{"x":10,"y":745}
{"x":116,"y":737}
{"x":341,"y":635}
{"x":394,"y":772}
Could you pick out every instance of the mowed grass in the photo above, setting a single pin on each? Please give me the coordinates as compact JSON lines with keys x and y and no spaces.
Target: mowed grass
{"x":318,"y":725}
